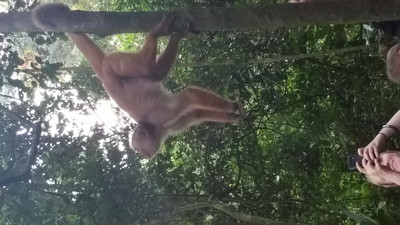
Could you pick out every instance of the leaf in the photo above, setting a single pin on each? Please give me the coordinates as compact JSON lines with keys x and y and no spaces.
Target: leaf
{"x":33,"y":65}
{"x":64,"y":37}
{"x":40,"y":40}
{"x":382,"y":205}
{"x":16,"y":83}
{"x":38,"y":59}
{"x":56,"y":66}
{"x":361,"y":219}
{"x":20,"y":4}
{"x":20,"y":61}
{"x":34,"y":83}
{"x":384,"y":217}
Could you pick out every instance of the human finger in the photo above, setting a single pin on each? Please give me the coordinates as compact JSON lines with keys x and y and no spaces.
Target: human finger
{"x":360,"y":151}
{"x":377,"y":164}
{"x":376,"y":151}
{"x":361,"y":169}
{"x":364,"y":163}
{"x":371,"y":153}
{"x":366,"y":154}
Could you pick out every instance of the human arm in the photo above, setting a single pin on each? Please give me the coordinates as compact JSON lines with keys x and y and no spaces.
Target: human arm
{"x":371,"y":151}
{"x":392,"y":176}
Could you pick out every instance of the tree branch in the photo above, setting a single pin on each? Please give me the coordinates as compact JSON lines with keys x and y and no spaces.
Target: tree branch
{"x":212,"y":19}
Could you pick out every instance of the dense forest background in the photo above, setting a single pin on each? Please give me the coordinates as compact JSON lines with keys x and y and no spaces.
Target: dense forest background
{"x":284,"y":164}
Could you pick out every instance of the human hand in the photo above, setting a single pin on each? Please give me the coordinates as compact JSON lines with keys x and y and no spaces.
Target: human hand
{"x":371,"y":151}
{"x":372,"y":168}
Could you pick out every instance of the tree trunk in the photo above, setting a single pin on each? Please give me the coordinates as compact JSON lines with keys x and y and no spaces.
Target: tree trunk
{"x":212,"y":19}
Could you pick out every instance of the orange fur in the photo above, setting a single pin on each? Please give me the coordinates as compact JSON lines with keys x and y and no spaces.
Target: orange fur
{"x":133,"y":81}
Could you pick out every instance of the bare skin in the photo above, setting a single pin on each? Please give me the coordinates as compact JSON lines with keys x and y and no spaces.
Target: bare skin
{"x":372,"y":150}
{"x":382,"y":171}
{"x":133,"y":81}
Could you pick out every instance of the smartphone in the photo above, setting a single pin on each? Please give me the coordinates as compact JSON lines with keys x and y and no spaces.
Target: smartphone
{"x":351,"y":162}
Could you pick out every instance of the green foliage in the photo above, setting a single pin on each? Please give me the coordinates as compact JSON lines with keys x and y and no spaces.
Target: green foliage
{"x":361,"y":219}
{"x":383,"y":217}
{"x":285,"y":161}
